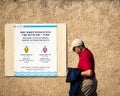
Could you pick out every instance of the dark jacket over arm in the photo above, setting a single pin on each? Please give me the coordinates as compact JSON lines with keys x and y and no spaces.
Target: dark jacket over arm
{"x":75,"y":79}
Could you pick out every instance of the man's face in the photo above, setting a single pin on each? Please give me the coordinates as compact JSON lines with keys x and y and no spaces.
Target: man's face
{"x":77,"y":50}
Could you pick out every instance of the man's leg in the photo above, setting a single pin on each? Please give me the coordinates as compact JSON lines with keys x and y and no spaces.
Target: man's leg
{"x":89,"y":87}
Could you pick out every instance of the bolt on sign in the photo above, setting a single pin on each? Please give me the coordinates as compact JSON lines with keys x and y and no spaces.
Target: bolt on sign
{"x":35,"y":50}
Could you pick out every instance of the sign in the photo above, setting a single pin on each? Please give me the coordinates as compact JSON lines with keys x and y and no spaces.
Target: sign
{"x":35,"y":50}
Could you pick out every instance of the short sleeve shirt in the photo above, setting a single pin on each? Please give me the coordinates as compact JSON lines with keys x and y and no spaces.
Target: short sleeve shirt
{"x":86,"y":61}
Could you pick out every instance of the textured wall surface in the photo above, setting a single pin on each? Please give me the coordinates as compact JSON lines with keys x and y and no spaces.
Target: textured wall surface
{"x":96,"y":22}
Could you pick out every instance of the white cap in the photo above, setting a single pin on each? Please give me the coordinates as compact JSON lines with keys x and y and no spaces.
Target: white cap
{"x":75,"y":43}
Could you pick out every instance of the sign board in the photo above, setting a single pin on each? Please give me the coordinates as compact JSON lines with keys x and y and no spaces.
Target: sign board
{"x":35,"y":49}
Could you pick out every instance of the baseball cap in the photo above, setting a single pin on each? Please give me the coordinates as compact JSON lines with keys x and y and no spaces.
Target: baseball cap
{"x":75,"y":43}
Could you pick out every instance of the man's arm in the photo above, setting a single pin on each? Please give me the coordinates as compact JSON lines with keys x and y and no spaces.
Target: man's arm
{"x":87,"y":73}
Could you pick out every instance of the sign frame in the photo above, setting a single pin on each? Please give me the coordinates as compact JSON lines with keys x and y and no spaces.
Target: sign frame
{"x":61,"y":49}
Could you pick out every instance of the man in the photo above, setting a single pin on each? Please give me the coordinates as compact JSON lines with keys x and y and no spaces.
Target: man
{"x":86,"y":65}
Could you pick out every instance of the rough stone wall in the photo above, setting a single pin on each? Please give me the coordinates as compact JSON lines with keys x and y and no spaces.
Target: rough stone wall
{"x":96,"y":22}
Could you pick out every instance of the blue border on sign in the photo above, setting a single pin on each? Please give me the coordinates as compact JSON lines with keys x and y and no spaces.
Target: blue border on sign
{"x":35,"y":73}
{"x":35,"y":26}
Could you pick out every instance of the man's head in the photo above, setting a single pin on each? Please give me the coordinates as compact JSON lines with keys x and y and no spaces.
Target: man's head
{"x":77,"y":46}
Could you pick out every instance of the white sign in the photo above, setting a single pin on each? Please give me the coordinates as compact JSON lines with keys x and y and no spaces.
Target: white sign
{"x":35,"y":50}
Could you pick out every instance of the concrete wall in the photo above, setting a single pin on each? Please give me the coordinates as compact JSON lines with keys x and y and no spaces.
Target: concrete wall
{"x":96,"y":22}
